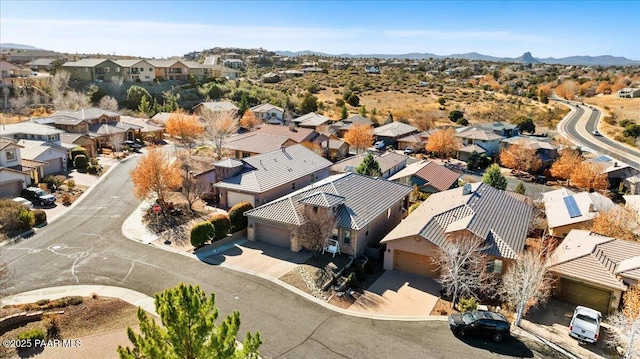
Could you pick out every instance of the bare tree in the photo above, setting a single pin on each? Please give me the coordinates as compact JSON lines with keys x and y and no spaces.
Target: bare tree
{"x":219,"y":126}
{"x":108,"y":103}
{"x":59,"y":85}
{"x":624,"y":326}
{"x":526,"y":283}
{"x":5,"y":94}
{"x":463,"y":270}
{"x":192,"y":188}
{"x":20,"y":103}
{"x":315,"y":230}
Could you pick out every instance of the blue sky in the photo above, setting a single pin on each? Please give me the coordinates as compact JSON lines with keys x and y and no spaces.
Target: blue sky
{"x":168,"y":28}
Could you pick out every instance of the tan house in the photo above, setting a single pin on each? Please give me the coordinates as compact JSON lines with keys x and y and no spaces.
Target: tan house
{"x":311,"y":120}
{"x":267,"y":138}
{"x":566,"y":210}
{"x":497,"y":218}
{"x":268,"y":176}
{"x":479,"y":141}
{"x":594,"y":270}
{"x":137,"y":70}
{"x":338,"y":149}
{"x":428,"y":176}
{"x":617,"y":171}
{"x":341,"y":127}
{"x":78,"y":139}
{"x":391,"y":132}
{"x":170,"y":69}
{"x":216,"y":108}
{"x":361,"y":220}
{"x":269,"y":113}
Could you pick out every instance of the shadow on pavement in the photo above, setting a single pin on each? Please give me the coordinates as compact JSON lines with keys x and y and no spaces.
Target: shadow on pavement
{"x":509,"y":346}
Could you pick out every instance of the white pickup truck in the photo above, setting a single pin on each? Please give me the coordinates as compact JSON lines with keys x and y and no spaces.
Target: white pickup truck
{"x":585,"y":324}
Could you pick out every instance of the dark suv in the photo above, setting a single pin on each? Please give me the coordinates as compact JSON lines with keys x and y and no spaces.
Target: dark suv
{"x":37,"y":195}
{"x":481,"y":323}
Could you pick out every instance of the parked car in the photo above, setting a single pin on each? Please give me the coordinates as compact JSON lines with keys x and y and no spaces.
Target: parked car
{"x":585,"y":324}
{"x":596,"y":133}
{"x":380,"y":145}
{"x":480,"y":323}
{"x":541,"y":179}
{"x":408,"y":151}
{"x":38,"y":195}
{"x":135,"y":146}
{"x":23,"y":201}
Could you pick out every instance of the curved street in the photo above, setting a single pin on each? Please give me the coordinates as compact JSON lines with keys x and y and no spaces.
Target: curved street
{"x":86,"y":246}
{"x":579,"y":125}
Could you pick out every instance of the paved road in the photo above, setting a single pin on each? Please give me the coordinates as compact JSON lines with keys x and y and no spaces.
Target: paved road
{"x":86,"y":246}
{"x":581,"y":123}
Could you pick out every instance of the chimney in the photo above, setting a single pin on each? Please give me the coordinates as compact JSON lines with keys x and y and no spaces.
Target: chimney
{"x":466,"y":189}
{"x":615,"y":164}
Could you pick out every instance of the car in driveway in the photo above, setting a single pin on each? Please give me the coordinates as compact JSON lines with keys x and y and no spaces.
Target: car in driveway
{"x":585,"y":324}
{"x":408,"y":151}
{"x":23,"y":201}
{"x":480,"y":323}
{"x":380,"y":145}
{"x":39,"y":196}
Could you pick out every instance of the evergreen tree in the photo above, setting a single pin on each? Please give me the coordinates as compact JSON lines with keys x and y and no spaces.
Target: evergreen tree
{"x":188,"y":329}
{"x":369,"y":167}
{"x":343,"y":112}
{"x":520,"y":188}
{"x":144,"y":108}
{"x":494,"y":178}
{"x":243,"y":105}
{"x":363,"y":111}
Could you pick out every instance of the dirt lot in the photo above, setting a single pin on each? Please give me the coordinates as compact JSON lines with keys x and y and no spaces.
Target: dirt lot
{"x":91,"y":317}
{"x":618,"y":108}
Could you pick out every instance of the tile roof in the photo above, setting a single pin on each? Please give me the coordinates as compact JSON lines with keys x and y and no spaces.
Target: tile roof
{"x":266,"y":107}
{"x":142,"y":123}
{"x":597,"y":259}
{"x":70,"y":137}
{"x":530,"y":142}
{"x":90,"y":113}
{"x":415,"y":137}
{"x":161,"y":117}
{"x":499,"y":219}
{"x":219,"y":106}
{"x":298,"y":134}
{"x":32,"y":149}
{"x":272,"y":169}
{"x":336,"y":143}
{"x":394,"y":129}
{"x":323,"y":199}
{"x":471,"y":149}
{"x":588,"y":204}
{"x":29,"y":128}
{"x":130,"y":63}
{"x":85,"y":63}
{"x":229,"y":163}
{"x":356,"y":210}
{"x":434,"y":174}
{"x":311,"y":119}
{"x":40,"y":62}
{"x":386,"y":161}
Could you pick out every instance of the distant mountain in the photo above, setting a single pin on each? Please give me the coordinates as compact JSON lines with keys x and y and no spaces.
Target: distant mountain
{"x":9,"y":45}
{"x":606,"y":60}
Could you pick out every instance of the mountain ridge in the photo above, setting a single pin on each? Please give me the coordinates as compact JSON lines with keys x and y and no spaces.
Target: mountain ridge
{"x":527,"y":57}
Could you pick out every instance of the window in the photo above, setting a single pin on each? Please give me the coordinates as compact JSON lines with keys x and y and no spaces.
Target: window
{"x":107,"y":69}
{"x":293,"y":186}
{"x":335,"y":234}
{"x":494,"y":266}
{"x":150,"y":69}
{"x":315,"y":209}
{"x":117,"y":69}
{"x":141,"y":69}
{"x":346,"y":237}
{"x":146,"y":77}
{"x":312,"y":177}
{"x":11,"y":155}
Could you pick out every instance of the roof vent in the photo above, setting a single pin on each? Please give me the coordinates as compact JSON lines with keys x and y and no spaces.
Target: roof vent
{"x":466,"y":189}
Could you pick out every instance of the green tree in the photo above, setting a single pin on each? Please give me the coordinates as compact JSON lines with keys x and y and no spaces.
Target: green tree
{"x":525,"y":124}
{"x":354,"y":100}
{"x":343,"y":112}
{"x":309,"y":104}
{"x":455,"y":115}
{"x":135,"y":95}
{"x":494,"y":177}
{"x":631,"y":130}
{"x":243,"y":105}
{"x":237,"y":217}
{"x":222,"y":225}
{"x":363,"y":111}
{"x":442,"y":100}
{"x":520,"y":188}
{"x":144,"y":108}
{"x":369,"y":167}
{"x":201,"y":233}
{"x":188,"y":329}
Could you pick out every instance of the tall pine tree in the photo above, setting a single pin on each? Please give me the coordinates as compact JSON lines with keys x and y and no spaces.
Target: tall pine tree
{"x":369,"y":167}
{"x":494,"y":177}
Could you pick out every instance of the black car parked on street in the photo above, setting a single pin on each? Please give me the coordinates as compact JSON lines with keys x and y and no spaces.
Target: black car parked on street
{"x":480,"y":323}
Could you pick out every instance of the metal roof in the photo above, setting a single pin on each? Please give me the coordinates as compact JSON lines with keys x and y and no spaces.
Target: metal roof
{"x":311,"y":119}
{"x":394,"y":129}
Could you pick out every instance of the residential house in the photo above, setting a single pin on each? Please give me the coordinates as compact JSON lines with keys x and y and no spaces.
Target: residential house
{"x":567,"y":210}
{"x":593,"y":270}
{"x":16,"y":174}
{"x":617,"y":171}
{"x":361,"y":220}
{"x":222,"y":72}
{"x":428,"y":176}
{"x":628,"y":92}
{"x":23,"y":56}
{"x":267,"y":138}
{"x":220,"y":170}
{"x":94,"y":70}
{"x":311,"y":120}
{"x":8,"y":70}
{"x":160,"y":118}
{"x":31,"y":131}
{"x":137,"y":70}
{"x":503,"y":129}
{"x":341,"y":127}
{"x":217,"y":108}
{"x":633,"y":184}
{"x":338,"y":149}
{"x":390,"y":163}
{"x":546,"y":152}
{"x":170,"y":69}
{"x":41,"y":64}
{"x":233,"y":63}
{"x":391,"y":132}
{"x":78,"y":139}
{"x":269,"y":113}
{"x":143,"y":128}
{"x":478,"y":211}
{"x":479,"y":141}
{"x":271,"y":175}
{"x":415,"y":141}
{"x":54,"y":156}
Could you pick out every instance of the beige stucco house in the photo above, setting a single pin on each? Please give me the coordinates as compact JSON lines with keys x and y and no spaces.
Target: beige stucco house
{"x":566,"y":210}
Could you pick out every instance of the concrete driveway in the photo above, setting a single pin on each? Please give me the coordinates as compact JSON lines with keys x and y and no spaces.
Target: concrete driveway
{"x":399,"y":293}
{"x":259,"y":257}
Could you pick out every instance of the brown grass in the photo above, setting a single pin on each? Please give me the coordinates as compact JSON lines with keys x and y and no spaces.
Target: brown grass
{"x":618,"y":108}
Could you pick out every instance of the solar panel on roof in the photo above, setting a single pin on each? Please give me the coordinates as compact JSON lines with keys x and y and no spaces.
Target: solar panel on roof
{"x":572,"y":206}
{"x":601,"y":159}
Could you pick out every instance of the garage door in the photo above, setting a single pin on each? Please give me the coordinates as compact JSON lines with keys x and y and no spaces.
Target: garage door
{"x":414,"y":263}
{"x":234,"y":198}
{"x":53,"y":165}
{"x":273,"y":234}
{"x":581,"y":294}
{"x":10,"y":189}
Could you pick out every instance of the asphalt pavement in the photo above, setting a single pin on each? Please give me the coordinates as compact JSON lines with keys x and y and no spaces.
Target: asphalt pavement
{"x":86,"y":247}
